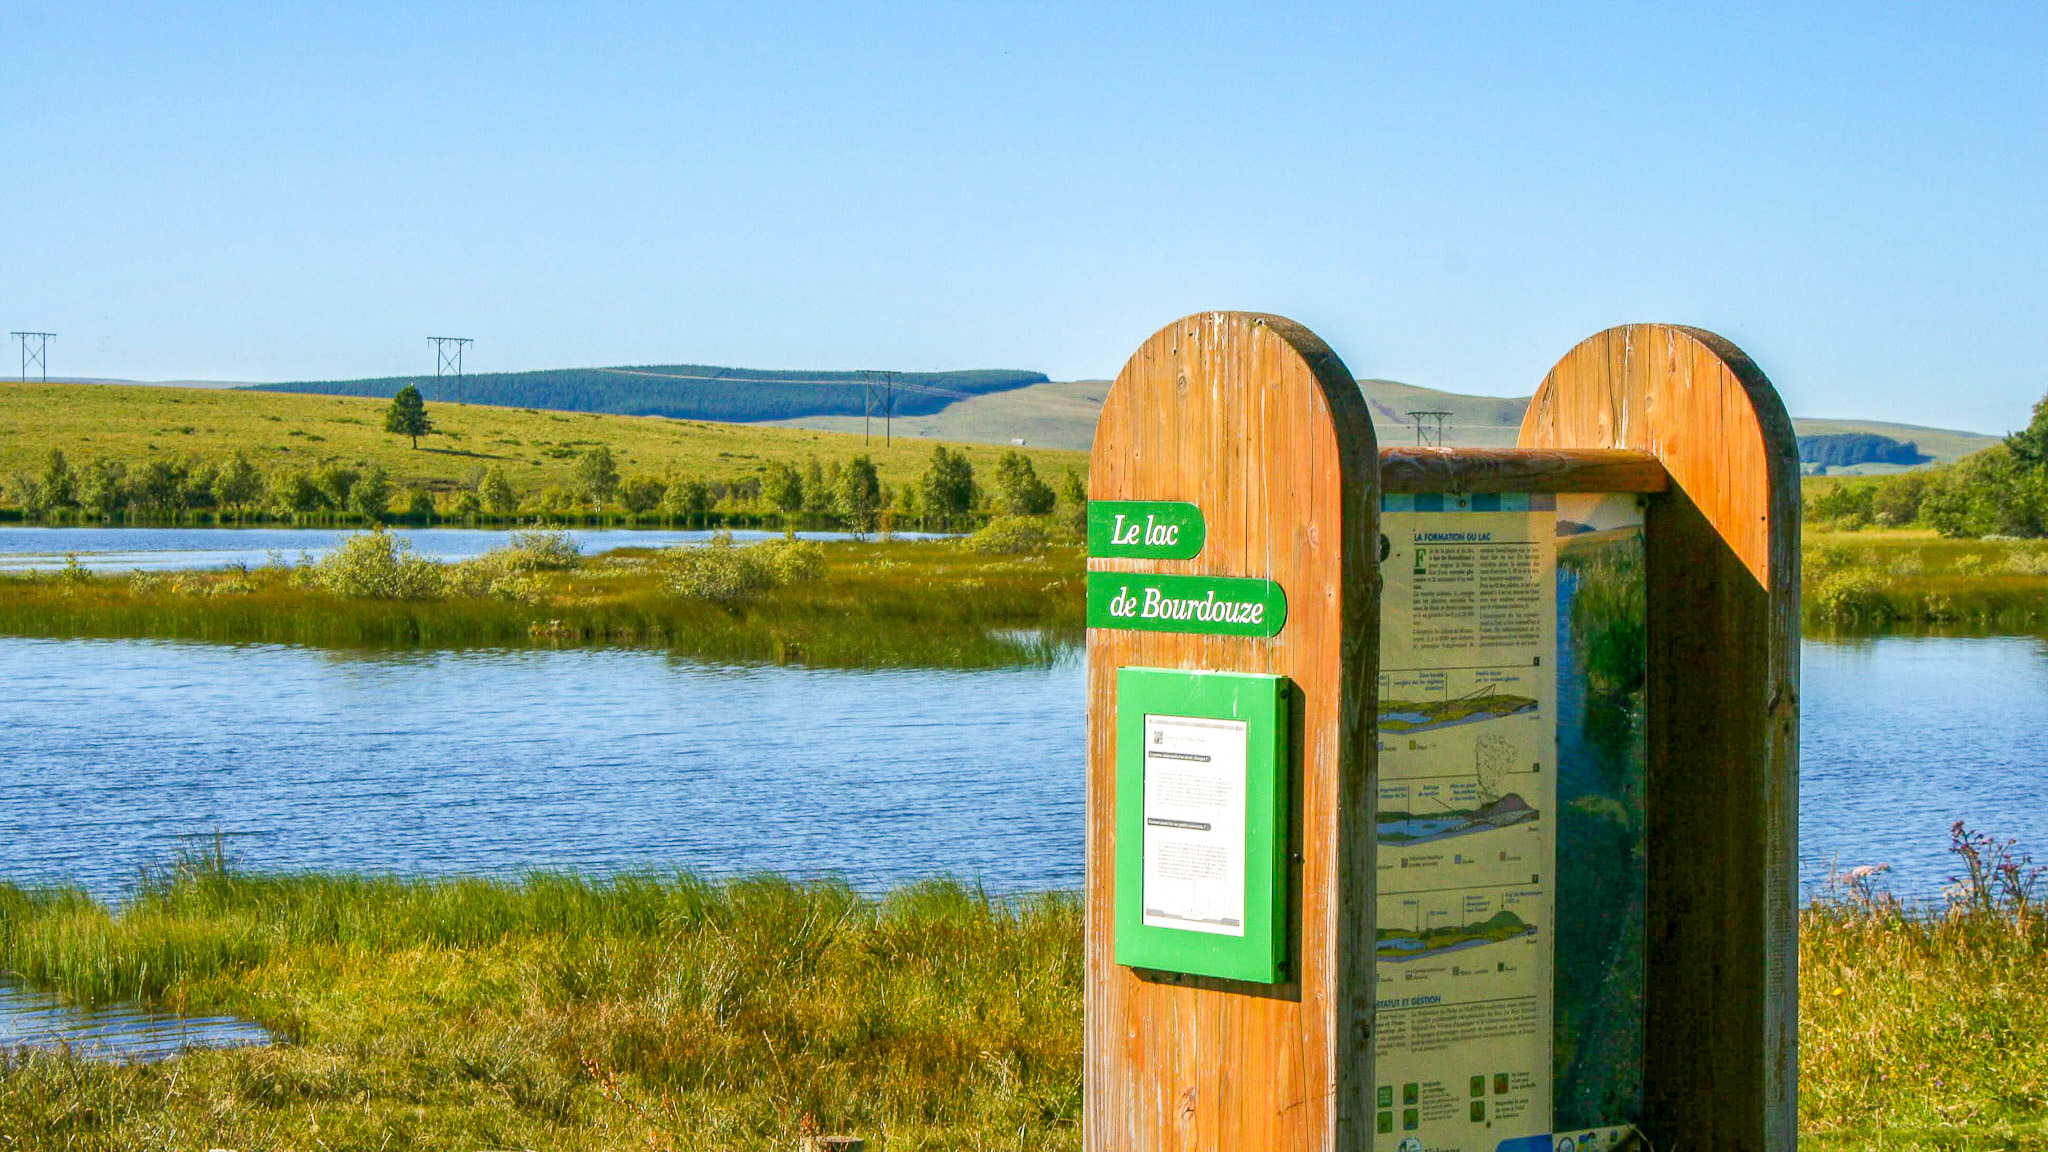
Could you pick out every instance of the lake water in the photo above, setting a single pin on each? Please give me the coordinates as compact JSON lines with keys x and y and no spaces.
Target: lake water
{"x":38,"y":1020}
{"x":117,"y":754}
{"x":30,"y":549}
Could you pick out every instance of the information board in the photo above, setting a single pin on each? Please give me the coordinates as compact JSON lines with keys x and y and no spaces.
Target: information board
{"x":1478,"y":649}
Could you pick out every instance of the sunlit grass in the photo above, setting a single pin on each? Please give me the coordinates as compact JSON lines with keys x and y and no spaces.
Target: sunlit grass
{"x":538,"y":449}
{"x":670,"y":1011}
{"x":1928,"y":1027}
{"x":1906,"y":579}
{"x":559,"y":1012}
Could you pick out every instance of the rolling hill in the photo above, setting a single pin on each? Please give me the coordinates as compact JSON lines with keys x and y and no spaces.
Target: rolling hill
{"x":685,"y":391}
{"x":986,"y":406}
{"x":1061,"y":414}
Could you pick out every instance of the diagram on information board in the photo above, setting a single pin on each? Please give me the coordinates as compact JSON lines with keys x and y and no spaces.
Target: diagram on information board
{"x":1467,"y":791}
{"x":1398,"y":945}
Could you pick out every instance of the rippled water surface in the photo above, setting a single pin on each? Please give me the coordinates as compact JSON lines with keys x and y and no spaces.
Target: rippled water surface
{"x":1902,"y":736}
{"x":28,"y":549}
{"x":119,"y":753}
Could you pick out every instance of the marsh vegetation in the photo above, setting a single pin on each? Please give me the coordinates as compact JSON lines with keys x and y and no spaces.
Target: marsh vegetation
{"x":986,"y":601}
{"x":671,"y":1012}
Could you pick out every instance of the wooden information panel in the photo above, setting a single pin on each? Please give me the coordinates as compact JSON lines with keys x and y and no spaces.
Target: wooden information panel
{"x":1577,"y":785}
{"x":1721,"y":1013}
{"x":1256,"y":423}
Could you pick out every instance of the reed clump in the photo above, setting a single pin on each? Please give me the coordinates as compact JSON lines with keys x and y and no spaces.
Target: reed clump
{"x":1927,"y":1026}
{"x":640,"y":1012}
{"x":840,"y":605}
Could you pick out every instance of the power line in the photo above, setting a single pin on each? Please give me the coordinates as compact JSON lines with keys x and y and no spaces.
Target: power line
{"x":878,"y":389}
{"x":1428,"y":435}
{"x":447,"y":360}
{"x":39,"y":356}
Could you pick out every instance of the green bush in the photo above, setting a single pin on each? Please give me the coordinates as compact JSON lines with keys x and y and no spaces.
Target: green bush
{"x":541,"y":550}
{"x":722,"y":570}
{"x":1013,"y":536}
{"x":1850,"y":596}
{"x":376,"y":565}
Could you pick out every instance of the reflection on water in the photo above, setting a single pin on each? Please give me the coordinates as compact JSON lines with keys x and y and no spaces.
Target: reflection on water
{"x":24,"y":549}
{"x":36,"y":1020}
{"x":117,"y":753}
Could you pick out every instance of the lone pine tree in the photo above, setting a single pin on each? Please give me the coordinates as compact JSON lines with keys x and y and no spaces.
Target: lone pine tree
{"x":407,"y":415}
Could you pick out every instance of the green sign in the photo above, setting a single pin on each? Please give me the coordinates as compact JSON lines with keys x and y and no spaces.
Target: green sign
{"x":1201,"y":823}
{"x":1145,"y":529}
{"x":1156,"y":602}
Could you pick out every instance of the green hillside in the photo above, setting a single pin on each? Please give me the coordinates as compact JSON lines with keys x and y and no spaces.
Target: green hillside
{"x":685,"y":391}
{"x":538,"y":449}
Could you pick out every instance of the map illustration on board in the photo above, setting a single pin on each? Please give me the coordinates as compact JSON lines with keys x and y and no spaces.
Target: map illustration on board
{"x":1405,"y":717}
{"x":1397,"y":827}
{"x":1399,"y":945}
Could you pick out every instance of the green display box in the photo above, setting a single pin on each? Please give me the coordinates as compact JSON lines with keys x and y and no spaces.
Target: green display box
{"x":1201,"y":823}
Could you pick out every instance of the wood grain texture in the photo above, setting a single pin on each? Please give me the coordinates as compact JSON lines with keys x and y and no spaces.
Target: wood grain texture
{"x":1721,"y":1066}
{"x":1520,"y":470}
{"x":1256,"y":421}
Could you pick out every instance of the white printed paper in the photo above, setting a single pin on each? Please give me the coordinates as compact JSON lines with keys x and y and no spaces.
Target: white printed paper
{"x":1194,"y":824}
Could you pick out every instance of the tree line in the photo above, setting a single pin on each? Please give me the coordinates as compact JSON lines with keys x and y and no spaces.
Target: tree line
{"x":946,"y":496}
{"x":2001,"y":491}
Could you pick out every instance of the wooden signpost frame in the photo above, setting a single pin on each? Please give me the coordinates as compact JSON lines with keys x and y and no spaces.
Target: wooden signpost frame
{"x":1256,"y":421}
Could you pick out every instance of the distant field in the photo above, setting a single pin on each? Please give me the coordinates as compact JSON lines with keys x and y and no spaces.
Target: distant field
{"x":538,"y":448}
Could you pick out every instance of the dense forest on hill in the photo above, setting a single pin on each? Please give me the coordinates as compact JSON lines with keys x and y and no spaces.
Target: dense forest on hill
{"x":686,"y":391}
{"x":1840,"y":449}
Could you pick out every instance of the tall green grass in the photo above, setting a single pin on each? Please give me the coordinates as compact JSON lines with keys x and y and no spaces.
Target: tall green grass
{"x":899,"y":604}
{"x":672,"y":1012}
{"x":1915,"y":581}
{"x":1927,"y":1026}
{"x":562,"y":1012}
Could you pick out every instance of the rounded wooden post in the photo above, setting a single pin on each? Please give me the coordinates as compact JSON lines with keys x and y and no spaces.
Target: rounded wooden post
{"x":1721,"y":1011}
{"x":1255,"y":421}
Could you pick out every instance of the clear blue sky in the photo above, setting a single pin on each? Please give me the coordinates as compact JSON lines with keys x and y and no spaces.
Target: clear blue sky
{"x":1451,"y":198}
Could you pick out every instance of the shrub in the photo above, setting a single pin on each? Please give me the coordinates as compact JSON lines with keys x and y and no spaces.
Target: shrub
{"x":1012,"y":535}
{"x":542,"y":550}
{"x":793,"y":561}
{"x":1018,"y":488}
{"x":717,"y":571}
{"x":721,"y":570}
{"x":2028,"y":562}
{"x":1850,"y":596}
{"x":376,"y":565}
{"x":489,"y":576}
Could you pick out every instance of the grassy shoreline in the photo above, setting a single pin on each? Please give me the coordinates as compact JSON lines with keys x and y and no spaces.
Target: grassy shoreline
{"x":1860,"y":581}
{"x":639,"y":1012}
{"x":897,"y":604}
{"x":902,"y":604}
{"x":670,"y":1012}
